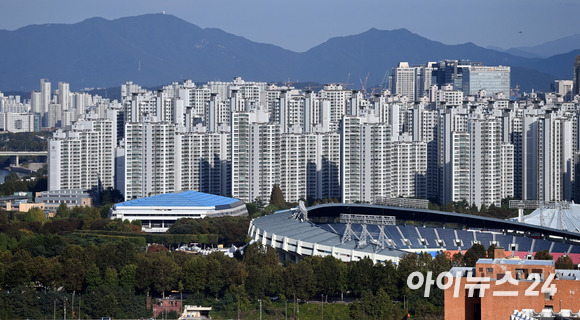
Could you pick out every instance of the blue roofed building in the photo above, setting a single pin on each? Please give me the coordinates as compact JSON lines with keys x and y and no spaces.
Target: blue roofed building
{"x":158,"y":213}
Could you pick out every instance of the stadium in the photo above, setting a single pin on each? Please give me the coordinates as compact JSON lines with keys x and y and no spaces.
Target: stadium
{"x":352,"y":231}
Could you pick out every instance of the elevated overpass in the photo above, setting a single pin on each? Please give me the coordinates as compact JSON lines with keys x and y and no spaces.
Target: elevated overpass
{"x":17,"y":154}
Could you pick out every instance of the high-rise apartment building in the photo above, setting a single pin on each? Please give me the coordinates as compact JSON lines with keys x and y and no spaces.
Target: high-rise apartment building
{"x":350,"y":170}
{"x":338,"y":98}
{"x":255,"y":155}
{"x":403,"y":80}
{"x":577,"y":75}
{"x":365,"y":159}
{"x":564,"y":88}
{"x":203,"y":162}
{"x":241,"y":138}
{"x":149,"y":158}
{"x":408,"y":163}
{"x":489,"y":159}
{"x":45,"y":99}
{"x":83,"y":157}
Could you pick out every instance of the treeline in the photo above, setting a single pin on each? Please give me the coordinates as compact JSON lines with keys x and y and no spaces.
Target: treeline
{"x":35,"y":182}
{"x":110,"y":267}
{"x":114,"y":279}
{"x":225,"y":230}
{"x":24,"y":141}
{"x":493,"y":211}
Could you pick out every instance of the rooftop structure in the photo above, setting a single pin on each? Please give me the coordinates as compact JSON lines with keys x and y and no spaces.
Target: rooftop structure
{"x":499,"y":288}
{"x":557,"y":217}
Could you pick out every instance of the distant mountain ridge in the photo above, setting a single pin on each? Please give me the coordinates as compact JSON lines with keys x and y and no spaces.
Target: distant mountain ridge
{"x":155,"y":49}
{"x":548,"y":49}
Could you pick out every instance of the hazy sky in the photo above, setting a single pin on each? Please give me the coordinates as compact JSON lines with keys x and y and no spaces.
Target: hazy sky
{"x":301,"y":24}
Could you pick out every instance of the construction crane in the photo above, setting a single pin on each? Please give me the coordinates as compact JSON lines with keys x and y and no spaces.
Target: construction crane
{"x":346,"y":84}
{"x":364,"y":85}
{"x":385,"y":79}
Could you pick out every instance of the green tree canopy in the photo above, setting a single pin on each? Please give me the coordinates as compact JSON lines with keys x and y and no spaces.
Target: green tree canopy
{"x":564,"y":262}
{"x":476,"y":252}
{"x":35,"y":215}
{"x":543,"y":255}
{"x":277,"y":198}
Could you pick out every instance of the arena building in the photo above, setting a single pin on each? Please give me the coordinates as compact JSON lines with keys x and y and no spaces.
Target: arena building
{"x":353,"y":231}
{"x":158,"y":213}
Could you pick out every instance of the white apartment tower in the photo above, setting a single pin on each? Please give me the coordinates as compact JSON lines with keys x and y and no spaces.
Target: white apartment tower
{"x":339,"y":100}
{"x":365,"y":151}
{"x":489,"y":160}
{"x":408,"y":163}
{"x":204,"y":163}
{"x":403,"y":80}
{"x":149,"y":158}
{"x":255,"y":155}
{"x":350,"y":161}
{"x":83,"y":158}
{"x":294,"y":161}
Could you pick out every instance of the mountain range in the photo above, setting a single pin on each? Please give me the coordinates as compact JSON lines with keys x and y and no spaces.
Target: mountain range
{"x":156,"y":49}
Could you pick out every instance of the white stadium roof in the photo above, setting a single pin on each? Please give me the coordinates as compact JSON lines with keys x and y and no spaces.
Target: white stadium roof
{"x":563,"y":219}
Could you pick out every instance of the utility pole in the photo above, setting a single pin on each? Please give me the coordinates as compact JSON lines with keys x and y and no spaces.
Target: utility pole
{"x":260,"y":300}
{"x":322,"y":300}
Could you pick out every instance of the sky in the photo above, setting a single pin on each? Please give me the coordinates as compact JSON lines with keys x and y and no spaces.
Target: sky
{"x":299,"y":25}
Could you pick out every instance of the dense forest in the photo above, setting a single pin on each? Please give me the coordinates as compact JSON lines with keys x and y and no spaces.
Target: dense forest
{"x":24,"y":141}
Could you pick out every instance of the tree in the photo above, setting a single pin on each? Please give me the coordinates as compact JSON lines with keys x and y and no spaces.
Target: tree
{"x":360,"y":275}
{"x":543,"y":255}
{"x":215,"y":281}
{"x":110,"y":196}
{"x":166,"y":272}
{"x":62,"y":211}
{"x":491,"y":252}
{"x":260,"y":255}
{"x":474,"y":253}
{"x":564,"y":262}
{"x":93,"y":277}
{"x":111,"y":278}
{"x":127,"y":276}
{"x":386,"y":277}
{"x":277,"y":198}
{"x":17,"y":274}
{"x":194,"y":271}
{"x":330,"y":275}
{"x":92,"y":214}
{"x":35,"y":215}
{"x":252,"y":209}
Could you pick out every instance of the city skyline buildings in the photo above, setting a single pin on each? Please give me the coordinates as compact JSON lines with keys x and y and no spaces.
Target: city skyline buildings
{"x":241,"y":138}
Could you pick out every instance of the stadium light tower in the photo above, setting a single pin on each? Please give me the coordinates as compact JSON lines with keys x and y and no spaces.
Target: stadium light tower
{"x":363,"y":220}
